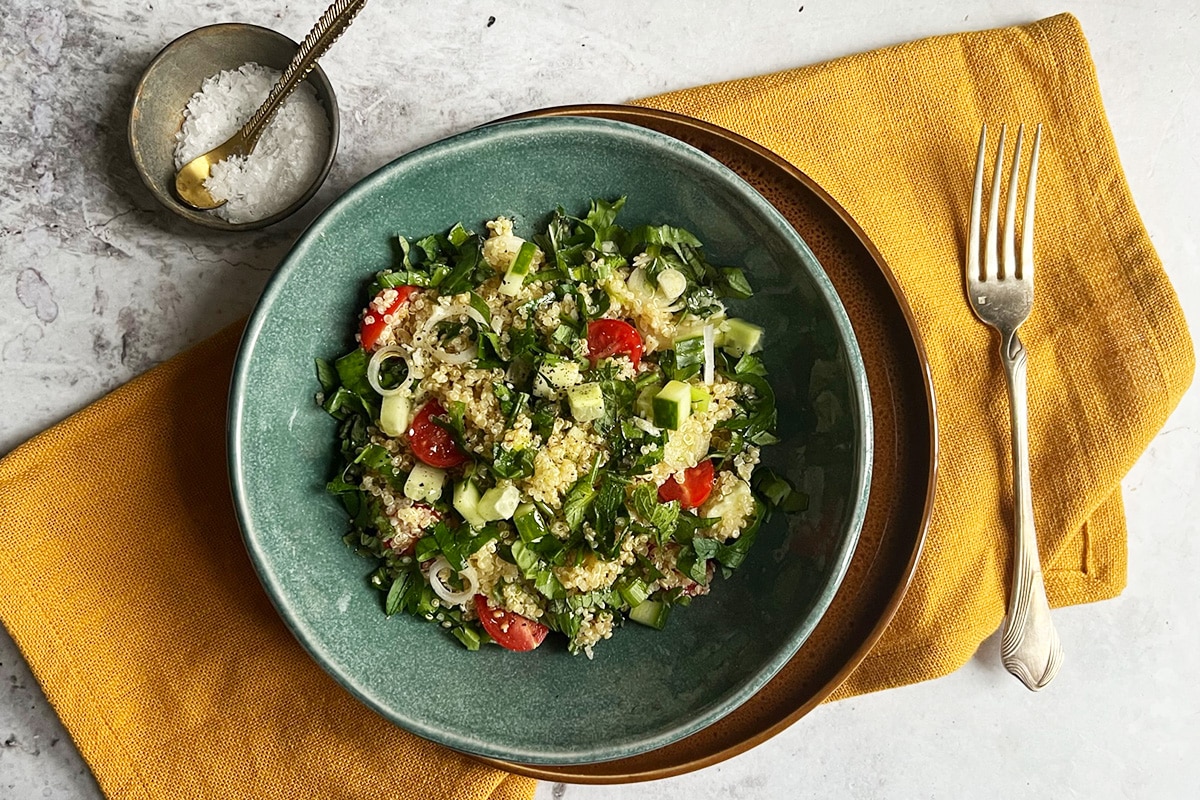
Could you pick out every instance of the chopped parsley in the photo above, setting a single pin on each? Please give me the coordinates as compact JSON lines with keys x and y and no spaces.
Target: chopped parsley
{"x":611,"y":511}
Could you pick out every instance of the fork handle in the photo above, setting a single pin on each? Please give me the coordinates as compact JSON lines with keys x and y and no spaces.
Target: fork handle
{"x":1029,"y":644}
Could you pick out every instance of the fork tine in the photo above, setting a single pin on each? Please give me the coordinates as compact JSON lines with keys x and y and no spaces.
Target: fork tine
{"x":1009,"y":234}
{"x":1026,"y":265}
{"x":989,"y":253}
{"x":976,"y":207}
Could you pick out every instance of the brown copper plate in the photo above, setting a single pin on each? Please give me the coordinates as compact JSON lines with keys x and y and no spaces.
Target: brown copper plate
{"x":905,"y":466}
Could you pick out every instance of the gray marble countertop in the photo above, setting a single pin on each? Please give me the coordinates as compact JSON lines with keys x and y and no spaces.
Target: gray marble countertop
{"x":97,"y":284}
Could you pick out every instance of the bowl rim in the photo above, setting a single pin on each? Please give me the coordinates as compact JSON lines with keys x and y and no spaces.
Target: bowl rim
{"x":857,"y":391}
{"x":167,"y":199}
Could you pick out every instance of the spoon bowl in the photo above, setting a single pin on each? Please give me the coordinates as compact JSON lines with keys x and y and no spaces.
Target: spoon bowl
{"x":189,"y":181}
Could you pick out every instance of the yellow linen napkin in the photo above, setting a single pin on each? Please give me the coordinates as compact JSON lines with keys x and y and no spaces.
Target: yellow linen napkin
{"x":124,"y":581}
{"x":892,"y":135}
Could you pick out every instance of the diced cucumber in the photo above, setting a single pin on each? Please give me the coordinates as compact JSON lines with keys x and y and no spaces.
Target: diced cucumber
{"x":562,"y":373}
{"x":694,"y":326}
{"x":529,"y":522}
{"x":586,"y":401}
{"x":651,"y":613}
{"x":424,"y":483}
{"x":542,"y":387}
{"x":395,"y":414}
{"x":633,"y":591}
{"x":466,"y":502}
{"x":555,"y":373}
{"x":741,"y":337}
{"x":514,"y":276}
{"x":498,"y":503}
{"x":672,"y":405}
{"x":700,"y":399}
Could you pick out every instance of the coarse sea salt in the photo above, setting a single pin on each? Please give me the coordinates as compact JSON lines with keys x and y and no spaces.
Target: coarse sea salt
{"x":289,"y":154}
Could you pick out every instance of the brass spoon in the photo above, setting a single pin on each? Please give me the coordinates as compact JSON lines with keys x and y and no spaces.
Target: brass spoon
{"x":189,"y":181}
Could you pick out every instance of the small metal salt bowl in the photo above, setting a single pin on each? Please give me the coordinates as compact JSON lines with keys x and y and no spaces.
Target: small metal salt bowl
{"x":177,"y":73}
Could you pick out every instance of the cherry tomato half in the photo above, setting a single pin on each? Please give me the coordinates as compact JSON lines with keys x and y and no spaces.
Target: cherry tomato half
{"x":370,"y":332}
{"x":696,"y":487}
{"x":610,"y":337}
{"x":511,"y":631}
{"x":432,"y":443}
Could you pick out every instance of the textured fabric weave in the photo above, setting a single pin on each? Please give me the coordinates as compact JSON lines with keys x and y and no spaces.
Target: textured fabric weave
{"x":124,"y":580}
{"x":892,"y":135}
{"x":125,"y":584}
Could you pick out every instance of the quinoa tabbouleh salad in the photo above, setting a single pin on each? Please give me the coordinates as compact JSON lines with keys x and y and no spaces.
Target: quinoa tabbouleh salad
{"x":552,"y":433}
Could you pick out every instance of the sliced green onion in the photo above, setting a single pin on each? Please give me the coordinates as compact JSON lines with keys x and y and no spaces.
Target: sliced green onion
{"x":671,"y":283}
{"x":530,"y":525}
{"x":458,"y":234}
{"x":634,"y":592}
{"x":709,"y":356}
{"x":450,"y":312}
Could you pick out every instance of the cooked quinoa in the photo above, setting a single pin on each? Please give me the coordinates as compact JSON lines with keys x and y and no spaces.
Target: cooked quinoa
{"x":552,"y":433}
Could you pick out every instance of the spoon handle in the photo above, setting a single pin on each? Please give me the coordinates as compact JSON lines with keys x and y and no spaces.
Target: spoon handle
{"x":329,"y":27}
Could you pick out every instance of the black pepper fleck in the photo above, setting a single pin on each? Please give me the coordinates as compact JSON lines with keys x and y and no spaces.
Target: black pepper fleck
{"x":491,"y":21}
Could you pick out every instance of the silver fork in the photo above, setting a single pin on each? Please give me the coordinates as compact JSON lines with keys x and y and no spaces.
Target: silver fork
{"x":1001,"y":295}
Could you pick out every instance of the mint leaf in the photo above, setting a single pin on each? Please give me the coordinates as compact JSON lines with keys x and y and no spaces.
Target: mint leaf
{"x":548,"y":585}
{"x":602,"y":214}
{"x":578,"y":502}
{"x":610,"y":499}
{"x":481,"y":306}
{"x":326,"y":376}
{"x":732,"y":554}
{"x":736,"y":284}
{"x":525,"y":559}
{"x":352,"y":371}
{"x":663,"y":517}
{"x":395,"y":595}
{"x":705,"y":548}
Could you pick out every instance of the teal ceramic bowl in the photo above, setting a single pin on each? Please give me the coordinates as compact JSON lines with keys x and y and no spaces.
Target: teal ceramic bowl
{"x":644,"y":688}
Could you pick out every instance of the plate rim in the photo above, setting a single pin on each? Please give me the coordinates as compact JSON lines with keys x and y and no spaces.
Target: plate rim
{"x":236,"y":439}
{"x":623,"y":112}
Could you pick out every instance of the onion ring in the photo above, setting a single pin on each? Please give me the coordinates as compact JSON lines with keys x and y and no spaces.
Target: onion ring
{"x":446,"y":312}
{"x":444,"y":592}
{"x":376,"y":362}
{"x":646,"y":425}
